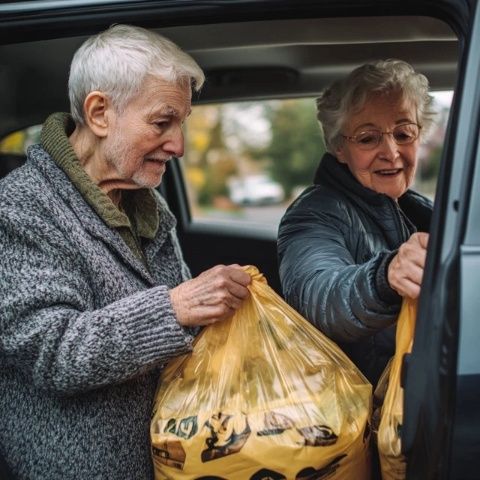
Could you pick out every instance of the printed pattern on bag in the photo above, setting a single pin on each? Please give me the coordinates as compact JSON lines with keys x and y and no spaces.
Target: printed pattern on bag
{"x":311,"y":436}
{"x":224,"y":439}
{"x":186,"y":427}
{"x":170,"y":453}
{"x":311,"y":473}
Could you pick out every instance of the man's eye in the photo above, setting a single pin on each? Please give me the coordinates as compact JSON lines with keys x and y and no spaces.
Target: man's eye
{"x":162,"y":124}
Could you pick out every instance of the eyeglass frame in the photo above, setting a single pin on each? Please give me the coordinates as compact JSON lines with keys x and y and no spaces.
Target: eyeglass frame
{"x":353,"y":138}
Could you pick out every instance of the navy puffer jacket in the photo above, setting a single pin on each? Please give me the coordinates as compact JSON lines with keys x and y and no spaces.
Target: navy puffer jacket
{"x":335,"y":243}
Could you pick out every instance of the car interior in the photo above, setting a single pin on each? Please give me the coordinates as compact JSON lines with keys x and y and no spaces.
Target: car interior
{"x":250,"y":51}
{"x":243,"y":60}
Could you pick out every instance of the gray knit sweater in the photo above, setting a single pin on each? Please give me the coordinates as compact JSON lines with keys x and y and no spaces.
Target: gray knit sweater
{"x":84,"y":330}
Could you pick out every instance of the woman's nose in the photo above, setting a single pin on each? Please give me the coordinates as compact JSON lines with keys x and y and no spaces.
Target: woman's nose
{"x":388,"y":147}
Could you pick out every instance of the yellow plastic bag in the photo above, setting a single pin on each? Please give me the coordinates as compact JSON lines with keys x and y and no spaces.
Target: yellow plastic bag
{"x":392,"y":462}
{"x":262,"y":396}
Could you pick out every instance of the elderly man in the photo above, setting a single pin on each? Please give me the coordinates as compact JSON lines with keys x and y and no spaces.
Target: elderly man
{"x":94,"y":294}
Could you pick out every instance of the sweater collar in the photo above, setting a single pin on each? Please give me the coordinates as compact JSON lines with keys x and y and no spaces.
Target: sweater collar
{"x":140,"y":205}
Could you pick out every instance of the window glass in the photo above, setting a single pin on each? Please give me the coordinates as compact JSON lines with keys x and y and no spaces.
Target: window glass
{"x":431,"y":149}
{"x":16,"y":143}
{"x":245,"y":162}
{"x":13,"y":148}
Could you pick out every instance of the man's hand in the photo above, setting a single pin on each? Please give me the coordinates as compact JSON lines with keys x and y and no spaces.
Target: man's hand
{"x":405,"y":272}
{"x":212,"y":296}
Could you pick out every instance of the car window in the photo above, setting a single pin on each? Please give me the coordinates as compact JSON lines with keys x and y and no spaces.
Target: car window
{"x":13,"y":148}
{"x":245,"y":162}
{"x":16,"y":143}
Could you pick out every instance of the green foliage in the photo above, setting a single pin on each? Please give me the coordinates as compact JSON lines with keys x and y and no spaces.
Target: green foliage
{"x":296,"y":145}
{"x":290,"y":153}
{"x":216,"y":175}
{"x":217,"y":164}
{"x":430,"y":169}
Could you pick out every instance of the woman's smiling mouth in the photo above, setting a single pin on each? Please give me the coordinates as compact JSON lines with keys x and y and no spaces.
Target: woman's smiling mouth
{"x":388,"y":172}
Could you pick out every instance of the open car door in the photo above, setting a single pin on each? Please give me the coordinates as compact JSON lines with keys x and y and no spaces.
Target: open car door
{"x":441,"y":430}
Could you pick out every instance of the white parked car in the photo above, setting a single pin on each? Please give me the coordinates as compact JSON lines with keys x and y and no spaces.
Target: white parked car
{"x":255,"y":190}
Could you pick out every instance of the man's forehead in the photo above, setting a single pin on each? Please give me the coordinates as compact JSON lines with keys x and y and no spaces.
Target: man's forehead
{"x":166,"y":98}
{"x":172,"y":111}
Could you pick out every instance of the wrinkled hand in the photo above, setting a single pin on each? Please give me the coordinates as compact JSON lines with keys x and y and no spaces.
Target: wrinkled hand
{"x":405,"y":272}
{"x":211,"y":297}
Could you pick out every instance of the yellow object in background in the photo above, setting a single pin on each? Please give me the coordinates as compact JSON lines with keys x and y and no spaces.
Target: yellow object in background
{"x":262,"y":396}
{"x":392,"y":461}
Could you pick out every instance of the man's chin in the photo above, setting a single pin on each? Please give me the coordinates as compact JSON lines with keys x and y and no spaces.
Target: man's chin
{"x":148,"y":181}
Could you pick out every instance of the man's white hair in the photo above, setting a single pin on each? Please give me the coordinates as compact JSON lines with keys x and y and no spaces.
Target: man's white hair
{"x":116,"y":62}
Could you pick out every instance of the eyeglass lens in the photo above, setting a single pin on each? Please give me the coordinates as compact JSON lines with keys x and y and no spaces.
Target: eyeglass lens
{"x":402,"y":134}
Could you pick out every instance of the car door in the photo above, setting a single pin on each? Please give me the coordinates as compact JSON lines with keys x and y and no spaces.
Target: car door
{"x":441,"y":430}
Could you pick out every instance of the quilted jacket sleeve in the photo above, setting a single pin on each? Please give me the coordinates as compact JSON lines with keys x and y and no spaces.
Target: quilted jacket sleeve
{"x":320,"y":278}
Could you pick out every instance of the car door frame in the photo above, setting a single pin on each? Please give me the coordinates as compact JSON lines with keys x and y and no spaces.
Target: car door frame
{"x":441,"y":429}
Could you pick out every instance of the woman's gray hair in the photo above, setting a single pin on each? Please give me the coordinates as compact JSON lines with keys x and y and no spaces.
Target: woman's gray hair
{"x":344,"y":97}
{"x":117,"y":61}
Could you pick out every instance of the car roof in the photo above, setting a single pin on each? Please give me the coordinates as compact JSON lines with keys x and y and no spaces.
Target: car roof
{"x":252,"y":55}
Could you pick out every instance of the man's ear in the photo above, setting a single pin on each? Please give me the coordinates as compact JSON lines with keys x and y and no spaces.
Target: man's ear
{"x":97,"y":113}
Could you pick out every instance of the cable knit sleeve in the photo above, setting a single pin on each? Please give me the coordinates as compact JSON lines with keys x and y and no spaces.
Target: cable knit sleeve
{"x":48,"y":327}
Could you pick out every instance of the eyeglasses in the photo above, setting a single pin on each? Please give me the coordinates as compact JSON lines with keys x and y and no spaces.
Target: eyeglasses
{"x":370,"y":139}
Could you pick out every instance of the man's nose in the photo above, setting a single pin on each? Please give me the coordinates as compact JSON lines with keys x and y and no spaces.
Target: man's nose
{"x":175,"y":144}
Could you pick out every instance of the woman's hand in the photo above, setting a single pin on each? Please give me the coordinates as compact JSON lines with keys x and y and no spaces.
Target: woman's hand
{"x":212,"y":296}
{"x":405,"y":272}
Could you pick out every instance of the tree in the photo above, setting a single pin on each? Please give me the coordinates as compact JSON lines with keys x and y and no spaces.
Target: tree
{"x":296,"y":144}
{"x":209,"y":161}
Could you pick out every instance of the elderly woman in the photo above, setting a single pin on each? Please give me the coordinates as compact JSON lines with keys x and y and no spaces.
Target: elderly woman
{"x":353,"y":244}
{"x":94,"y":294}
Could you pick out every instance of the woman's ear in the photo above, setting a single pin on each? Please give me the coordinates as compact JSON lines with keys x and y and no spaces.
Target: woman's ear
{"x":340,"y":154}
{"x":96,"y":109}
